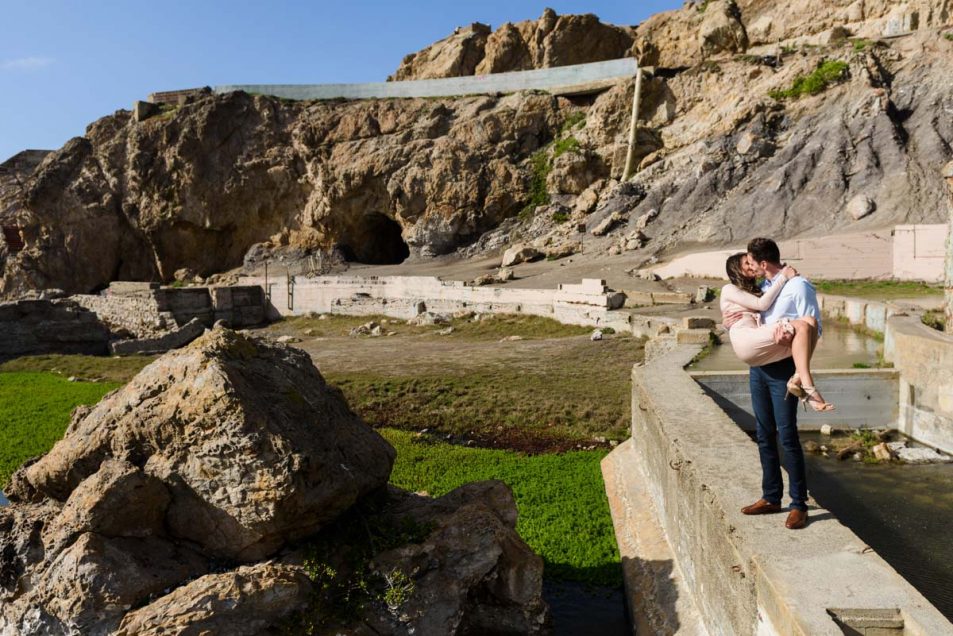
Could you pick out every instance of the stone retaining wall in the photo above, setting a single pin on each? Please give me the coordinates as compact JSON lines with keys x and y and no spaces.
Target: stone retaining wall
{"x":146,"y":310}
{"x":587,"y":303}
{"x":744,"y":575}
{"x":924,"y":359}
{"x":29,"y":327}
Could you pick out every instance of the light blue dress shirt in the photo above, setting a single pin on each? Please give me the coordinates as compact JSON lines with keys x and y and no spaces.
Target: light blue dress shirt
{"x":797,"y":298}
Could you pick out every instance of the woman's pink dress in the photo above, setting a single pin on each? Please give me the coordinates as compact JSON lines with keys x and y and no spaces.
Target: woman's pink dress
{"x":752,"y":341}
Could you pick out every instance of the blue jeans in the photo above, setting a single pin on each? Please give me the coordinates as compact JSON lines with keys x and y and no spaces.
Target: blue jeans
{"x":776,"y":418}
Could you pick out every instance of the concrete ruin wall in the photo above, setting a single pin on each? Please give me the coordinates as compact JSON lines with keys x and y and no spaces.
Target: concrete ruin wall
{"x":29,"y":327}
{"x":146,"y":310}
{"x":588,"y":303}
{"x":906,"y":252}
{"x":924,"y":359}
{"x":562,"y":80}
{"x":712,"y":569}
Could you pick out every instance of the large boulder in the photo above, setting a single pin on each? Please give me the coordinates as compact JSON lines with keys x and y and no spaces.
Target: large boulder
{"x":254,"y":448}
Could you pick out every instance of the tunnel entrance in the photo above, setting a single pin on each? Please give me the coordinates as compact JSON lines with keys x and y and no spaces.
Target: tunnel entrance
{"x":375,"y":240}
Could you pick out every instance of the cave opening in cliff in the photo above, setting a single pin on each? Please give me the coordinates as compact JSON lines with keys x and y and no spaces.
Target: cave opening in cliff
{"x":375,"y":240}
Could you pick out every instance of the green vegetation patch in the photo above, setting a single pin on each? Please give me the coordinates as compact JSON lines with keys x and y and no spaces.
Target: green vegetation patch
{"x":948,"y":36}
{"x":564,"y":145}
{"x":563,"y":511}
{"x":828,"y":73}
{"x":575,"y":118}
{"x":34,"y":410}
{"x":878,"y":289}
{"x":540,"y":167}
{"x":934,"y":320}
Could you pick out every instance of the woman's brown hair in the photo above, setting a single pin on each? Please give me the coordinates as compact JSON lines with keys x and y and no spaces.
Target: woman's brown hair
{"x":737,"y":276}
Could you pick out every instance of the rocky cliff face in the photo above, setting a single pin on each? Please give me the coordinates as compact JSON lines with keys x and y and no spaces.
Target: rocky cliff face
{"x":199,"y":186}
{"x":722,"y":150}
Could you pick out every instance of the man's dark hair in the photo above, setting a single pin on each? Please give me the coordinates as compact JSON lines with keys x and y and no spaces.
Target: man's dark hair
{"x":764,"y":249}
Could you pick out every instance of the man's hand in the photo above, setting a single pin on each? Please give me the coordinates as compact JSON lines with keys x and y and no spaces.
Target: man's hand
{"x":783,"y":334}
{"x":731,"y":318}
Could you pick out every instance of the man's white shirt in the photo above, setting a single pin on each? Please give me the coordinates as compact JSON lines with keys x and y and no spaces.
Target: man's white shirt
{"x":797,"y":298}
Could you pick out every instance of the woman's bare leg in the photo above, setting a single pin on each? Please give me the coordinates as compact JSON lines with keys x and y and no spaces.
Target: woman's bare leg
{"x":802,"y":349}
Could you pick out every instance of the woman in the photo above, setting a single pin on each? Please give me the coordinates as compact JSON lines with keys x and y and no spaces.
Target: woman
{"x":754,"y":342}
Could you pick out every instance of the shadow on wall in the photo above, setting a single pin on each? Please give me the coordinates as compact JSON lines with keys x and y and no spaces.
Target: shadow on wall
{"x":656,"y":600}
{"x":375,"y":239}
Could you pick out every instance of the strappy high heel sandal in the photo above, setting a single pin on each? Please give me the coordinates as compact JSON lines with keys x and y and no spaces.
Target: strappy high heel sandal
{"x":819,"y":407}
{"x":794,"y":388}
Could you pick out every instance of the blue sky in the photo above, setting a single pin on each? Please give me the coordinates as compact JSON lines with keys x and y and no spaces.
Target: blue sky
{"x":64,"y":63}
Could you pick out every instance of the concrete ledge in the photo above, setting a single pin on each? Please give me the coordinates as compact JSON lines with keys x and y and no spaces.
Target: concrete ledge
{"x":746,"y":575}
{"x":864,"y":398}
{"x":924,"y":359}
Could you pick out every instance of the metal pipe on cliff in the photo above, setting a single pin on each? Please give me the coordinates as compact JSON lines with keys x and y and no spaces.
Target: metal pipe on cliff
{"x":948,"y":279}
{"x":630,"y":156}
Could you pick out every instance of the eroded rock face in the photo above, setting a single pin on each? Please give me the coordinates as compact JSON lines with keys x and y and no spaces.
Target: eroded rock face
{"x":254,"y":448}
{"x":552,"y":40}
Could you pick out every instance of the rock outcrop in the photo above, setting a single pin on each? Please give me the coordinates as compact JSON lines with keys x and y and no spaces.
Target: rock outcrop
{"x":199,"y":187}
{"x":193,"y":500}
{"x":721,"y":150}
{"x":552,"y":40}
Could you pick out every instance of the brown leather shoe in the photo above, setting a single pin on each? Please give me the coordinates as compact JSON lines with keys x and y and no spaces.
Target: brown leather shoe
{"x":761,"y":507}
{"x":796,"y":520}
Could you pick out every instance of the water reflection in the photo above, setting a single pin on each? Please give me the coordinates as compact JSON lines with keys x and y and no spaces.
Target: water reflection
{"x":3,"y":500}
{"x":839,"y":348}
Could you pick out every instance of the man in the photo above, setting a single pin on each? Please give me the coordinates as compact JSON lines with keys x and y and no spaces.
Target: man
{"x":776,"y":411}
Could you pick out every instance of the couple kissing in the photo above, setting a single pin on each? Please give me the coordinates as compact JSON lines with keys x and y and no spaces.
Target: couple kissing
{"x":774,"y":327}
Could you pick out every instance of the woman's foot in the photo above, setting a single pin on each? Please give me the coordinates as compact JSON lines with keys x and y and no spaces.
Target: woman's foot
{"x":794,"y":387}
{"x":817,"y":402}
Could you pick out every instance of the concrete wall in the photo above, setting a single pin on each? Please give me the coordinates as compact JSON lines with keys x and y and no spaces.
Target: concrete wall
{"x":29,"y":327}
{"x":865,"y":398}
{"x":924,"y":359}
{"x":907,"y":252}
{"x":918,"y":252}
{"x":147,"y":310}
{"x":745,"y":575}
{"x":563,"y":80}
{"x":588,"y":303}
